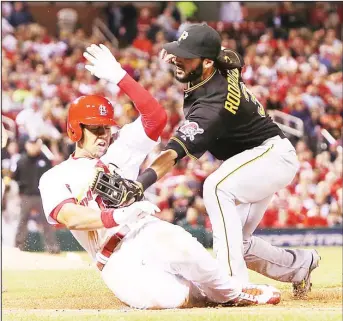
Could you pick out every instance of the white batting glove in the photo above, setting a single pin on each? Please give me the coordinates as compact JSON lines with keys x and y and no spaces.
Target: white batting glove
{"x":166,"y":57}
{"x":103,"y":64}
{"x":134,"y":212}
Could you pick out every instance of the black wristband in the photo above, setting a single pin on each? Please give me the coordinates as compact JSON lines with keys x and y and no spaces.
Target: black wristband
{"x":147,"y":178}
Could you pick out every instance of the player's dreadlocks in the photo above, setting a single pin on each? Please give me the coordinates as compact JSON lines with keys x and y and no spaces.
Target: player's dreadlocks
{"x":227,"y":60}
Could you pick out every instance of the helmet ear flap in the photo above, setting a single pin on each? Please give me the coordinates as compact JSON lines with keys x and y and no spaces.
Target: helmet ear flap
{"x":75,"y":131}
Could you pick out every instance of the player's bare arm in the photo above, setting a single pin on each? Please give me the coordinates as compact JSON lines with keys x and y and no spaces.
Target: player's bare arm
{"x":78,"y":217}
{"x":160,"y":166}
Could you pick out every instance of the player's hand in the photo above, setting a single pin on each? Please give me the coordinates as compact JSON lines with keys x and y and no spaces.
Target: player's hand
{"x":166,"y":57}
{"x":132,"y":192}
{"x":134,"y":212}
{"x":103,"y":64}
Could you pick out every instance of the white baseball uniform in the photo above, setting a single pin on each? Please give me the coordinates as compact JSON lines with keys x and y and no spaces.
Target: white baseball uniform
{"x":273,"y":165}
{"x":156,"y":264}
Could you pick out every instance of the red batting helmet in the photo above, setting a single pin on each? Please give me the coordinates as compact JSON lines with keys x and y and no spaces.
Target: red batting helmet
{"x":88,"y":110}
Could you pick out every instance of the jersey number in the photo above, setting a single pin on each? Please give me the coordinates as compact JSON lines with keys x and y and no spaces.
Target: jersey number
{"x":249,"y":95}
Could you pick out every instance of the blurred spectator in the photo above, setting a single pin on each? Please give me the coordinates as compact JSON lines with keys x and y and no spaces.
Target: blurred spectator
{"x":6,"y":28}
{"x":296,"y":213}
{"x":318,"y":15}
{"x":30,"y":167}
{"x":187,"y":9}
{"x":314,"y":219}
{"x":6,"y":9}
{"x":144,"y":19}
{"x":175,"y":12}
{"x":142,"y":42}
{"x":67,"y":20}
{"x":34,"y":122}
{"x":271,"y":216}
{"x":128,"y":28}
{"x":166,"y":21}
{"x":9,"y":158}
{"x":114,"y":17}
{"x":290,"y":17}
{"x":275,"y":20}
{"x":336,"y":209}
{"x":231,"y":11}
{"x":20,"y":15}
{"x":273,"y":102}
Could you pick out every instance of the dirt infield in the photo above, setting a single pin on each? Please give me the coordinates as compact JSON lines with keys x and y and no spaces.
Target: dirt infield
{"x":13,"y":259}
{"x":65,"y":287}
{"x":196,"y":314}
{"x":183,"y":311}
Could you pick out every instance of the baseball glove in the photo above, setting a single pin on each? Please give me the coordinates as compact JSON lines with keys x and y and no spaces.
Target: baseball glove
{"x":115,"y":190}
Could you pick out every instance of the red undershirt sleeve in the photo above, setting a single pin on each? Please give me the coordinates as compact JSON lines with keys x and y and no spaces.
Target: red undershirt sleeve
{"x":154,"y":117}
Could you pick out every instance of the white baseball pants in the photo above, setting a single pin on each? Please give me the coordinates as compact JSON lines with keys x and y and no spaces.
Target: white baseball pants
{"x":162,"y":266}
{"x":250,"y":179}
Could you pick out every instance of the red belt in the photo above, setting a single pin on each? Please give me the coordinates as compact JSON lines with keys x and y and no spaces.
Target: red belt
{"x":109,"y":248}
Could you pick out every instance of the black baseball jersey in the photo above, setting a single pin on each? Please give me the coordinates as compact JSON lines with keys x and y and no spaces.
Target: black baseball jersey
{"x":223,"y":117}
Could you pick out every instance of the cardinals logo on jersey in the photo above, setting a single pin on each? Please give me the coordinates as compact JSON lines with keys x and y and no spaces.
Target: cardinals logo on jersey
{"x":190,"y":129}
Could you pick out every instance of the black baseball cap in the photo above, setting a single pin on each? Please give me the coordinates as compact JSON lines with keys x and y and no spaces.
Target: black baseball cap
{"x":196,"y":41}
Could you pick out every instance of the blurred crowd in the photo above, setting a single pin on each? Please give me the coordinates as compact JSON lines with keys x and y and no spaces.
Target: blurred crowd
{"x":293,"y":65}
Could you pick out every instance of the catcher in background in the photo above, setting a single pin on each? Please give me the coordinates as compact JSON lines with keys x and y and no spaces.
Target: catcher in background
{"x":146,"y":262}
{"x":223,"y":117}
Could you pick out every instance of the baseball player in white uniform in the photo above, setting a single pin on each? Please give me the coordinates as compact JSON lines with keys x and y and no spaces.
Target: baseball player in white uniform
{"x":146,"y":262}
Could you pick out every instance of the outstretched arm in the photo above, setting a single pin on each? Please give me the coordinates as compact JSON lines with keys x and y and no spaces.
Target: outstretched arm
{"x":154,"y":117}
{"x":105,"y":66}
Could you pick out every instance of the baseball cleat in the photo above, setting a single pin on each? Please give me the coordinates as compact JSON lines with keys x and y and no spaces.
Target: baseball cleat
{"x":255,"y":294}
{"x":302,"y":288}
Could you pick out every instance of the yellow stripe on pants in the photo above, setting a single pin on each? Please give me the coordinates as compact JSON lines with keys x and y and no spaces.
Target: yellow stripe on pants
{"x":220,"y":208}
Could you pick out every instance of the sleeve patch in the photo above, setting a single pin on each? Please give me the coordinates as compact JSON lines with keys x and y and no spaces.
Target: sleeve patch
{"x":190,"y":129}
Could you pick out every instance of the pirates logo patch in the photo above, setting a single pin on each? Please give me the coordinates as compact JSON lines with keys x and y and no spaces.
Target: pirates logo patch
{"x":190,"y":129}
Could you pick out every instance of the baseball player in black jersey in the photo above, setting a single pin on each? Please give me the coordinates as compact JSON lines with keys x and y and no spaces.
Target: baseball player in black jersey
{"x":223,"y":117}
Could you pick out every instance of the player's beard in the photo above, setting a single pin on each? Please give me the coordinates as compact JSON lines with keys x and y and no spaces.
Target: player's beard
{"x":192,"y":76}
